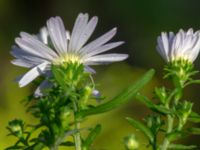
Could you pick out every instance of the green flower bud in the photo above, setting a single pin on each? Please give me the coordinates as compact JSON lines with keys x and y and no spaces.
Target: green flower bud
{"x":87,"y":91}
{"x":131,"y":142}
{"x":161,"y":94}
{"x":16,"y":127}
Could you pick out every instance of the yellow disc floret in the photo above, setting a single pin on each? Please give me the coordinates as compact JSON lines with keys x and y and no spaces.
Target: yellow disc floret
{"x":67,"y":58}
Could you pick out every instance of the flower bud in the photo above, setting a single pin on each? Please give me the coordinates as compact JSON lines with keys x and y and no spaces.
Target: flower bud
{"x":131,"y":142}
{"x":85,"y":95}
{"x":16,"y":127}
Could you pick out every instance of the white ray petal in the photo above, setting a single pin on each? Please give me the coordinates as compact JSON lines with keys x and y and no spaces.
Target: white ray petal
{"x":79,"y":25}
{"x":34,"y":46}
{"x":106,"y":58}
{"x":99,"y":41}
{"x":22,"y":63}
{"x":87,"y":32}
{"x":104,"y":48}
{"x":160,"y":49}
{"x":44,"y":35}
{"x":68,"y":35}
{"x":22,"y":54}
{"x":44,"y":85}
{"x":165,"y":41}
{"x":89,"y":69}
{"x":57,"y":34}
{"x":32,"y":74}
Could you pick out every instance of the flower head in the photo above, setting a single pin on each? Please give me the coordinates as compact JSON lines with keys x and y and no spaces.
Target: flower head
{"x":183,"y":45}
{"x":55,"y":46}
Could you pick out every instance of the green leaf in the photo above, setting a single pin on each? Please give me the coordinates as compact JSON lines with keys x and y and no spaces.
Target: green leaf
{"x":120,"y":99}
{"x":156,"y":108}
{"x":176,"y":135}
{"x":194,"y":117}
{"x":192,"y":82}
{"x":195,"y":131}
{"x":37,"y":146}
{"x":141,"y":127}
{"x":14,"y":148}
{"x":161,"y":109}
{"x":67,"y":143}
{"x":182,"y":147}
{"x":91,"y":137}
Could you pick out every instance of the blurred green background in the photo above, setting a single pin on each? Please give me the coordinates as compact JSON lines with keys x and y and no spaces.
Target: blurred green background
{"x":139,"y":23}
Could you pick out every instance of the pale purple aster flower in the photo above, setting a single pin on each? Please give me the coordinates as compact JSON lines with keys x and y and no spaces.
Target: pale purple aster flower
{"x":183,"y":45}
{"x":34,"y":52}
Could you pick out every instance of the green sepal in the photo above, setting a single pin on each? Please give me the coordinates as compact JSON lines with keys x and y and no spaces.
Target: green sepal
{"x":91,"y":137}
{"x":120,"y":99}
{"x":58,"y":75}
{"x":181,"y":147}
{"x":142,"y":128}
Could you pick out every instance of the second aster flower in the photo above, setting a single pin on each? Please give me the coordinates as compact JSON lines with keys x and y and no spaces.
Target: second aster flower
{"x":183,"y":45}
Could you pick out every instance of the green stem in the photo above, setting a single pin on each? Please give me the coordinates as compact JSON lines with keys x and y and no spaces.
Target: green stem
{"x":54,"y":148}
{"x":166,"y":142}
{"x":77,"y":135}
{"x":170,"y":119}
{"x":154,"y":145}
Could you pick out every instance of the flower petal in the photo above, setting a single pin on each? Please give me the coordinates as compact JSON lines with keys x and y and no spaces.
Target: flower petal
{"x":86,"y":33}
{"x":89,"y":69}
{"x":44,"y":85}
{"x":32,"y":74}
{"x":104,"y":48}
{"x":22,"y":63}
{"x":78,"y":28}
{"x":22,"y":54}
{"x":32,"y":45}
{"x":99,"y":41}
{"x":43,"y":35}
{"x":106,"y":58}
{"x":57,"y":34}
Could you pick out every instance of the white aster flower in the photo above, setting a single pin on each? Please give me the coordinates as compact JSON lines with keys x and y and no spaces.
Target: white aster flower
{"x":35,"y":53}
{"x":183,"y":45}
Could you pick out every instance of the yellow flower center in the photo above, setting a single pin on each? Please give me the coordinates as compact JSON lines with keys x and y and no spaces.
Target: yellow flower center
{"x":68,"y":58}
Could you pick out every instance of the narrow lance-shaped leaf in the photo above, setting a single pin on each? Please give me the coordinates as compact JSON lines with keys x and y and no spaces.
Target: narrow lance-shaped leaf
{"x":195,"y":131}
{"x":156,"y":108}
{"x":91,"y":137}
{"x":194,"y":117}
{"x":181,"y":147}
{"x":176,"y":135}
{"x":141,"y":127}
{"x":120,"y":99}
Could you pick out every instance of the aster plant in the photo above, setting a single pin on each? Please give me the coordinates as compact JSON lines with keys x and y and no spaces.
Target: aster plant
{"x":65,"y":93}
{"x":171,"y":113}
